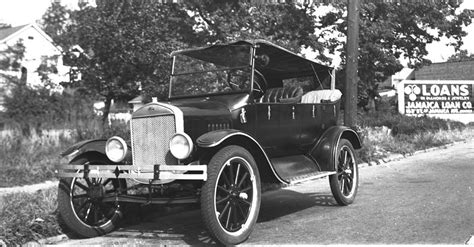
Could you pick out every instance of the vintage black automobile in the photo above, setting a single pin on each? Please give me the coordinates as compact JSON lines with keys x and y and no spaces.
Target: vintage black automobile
{"x":238,"y":116}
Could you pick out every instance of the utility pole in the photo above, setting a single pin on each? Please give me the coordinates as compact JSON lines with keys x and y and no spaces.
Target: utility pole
{"x":350,"y":87}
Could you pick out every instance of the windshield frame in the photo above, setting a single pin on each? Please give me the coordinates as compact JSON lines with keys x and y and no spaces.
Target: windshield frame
{"x":250,"y":66}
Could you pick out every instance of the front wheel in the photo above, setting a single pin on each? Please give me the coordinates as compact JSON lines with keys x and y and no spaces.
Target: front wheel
{"x":80,"y":202}
{"x":230,"y":198}
{"x":345,"y":182}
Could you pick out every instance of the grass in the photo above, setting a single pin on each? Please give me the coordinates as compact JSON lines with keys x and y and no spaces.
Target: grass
{"x":388,"y":134}
{"x":378,"y":143}
{"x":29,"y":160}
{"x":26,"y":217}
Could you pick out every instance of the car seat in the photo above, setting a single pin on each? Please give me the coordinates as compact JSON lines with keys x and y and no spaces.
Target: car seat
{"x":282,"y":94}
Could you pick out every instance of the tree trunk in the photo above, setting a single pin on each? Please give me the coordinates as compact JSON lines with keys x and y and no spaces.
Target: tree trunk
{"x":371,"y":105}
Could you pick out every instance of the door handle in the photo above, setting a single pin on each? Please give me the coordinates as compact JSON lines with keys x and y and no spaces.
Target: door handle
{"x":269,"y":112}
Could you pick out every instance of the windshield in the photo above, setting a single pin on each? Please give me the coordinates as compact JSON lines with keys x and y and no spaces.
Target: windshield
{"x":214,"y":70}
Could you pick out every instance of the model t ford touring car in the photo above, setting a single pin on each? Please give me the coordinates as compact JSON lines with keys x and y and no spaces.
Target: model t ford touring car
{"x":238,"y":116}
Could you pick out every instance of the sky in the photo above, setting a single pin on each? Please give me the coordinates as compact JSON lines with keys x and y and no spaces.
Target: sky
{"x":19,"y":12}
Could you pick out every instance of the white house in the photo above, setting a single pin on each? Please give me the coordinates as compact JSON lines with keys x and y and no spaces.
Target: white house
{"x":38,"y":47}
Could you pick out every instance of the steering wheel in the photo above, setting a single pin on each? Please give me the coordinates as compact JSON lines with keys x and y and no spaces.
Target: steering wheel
{"x":260,"y":84}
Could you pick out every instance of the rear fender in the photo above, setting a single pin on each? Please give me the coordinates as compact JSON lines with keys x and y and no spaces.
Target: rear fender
{"x":214,"y":140}
{"x":325,"y":150}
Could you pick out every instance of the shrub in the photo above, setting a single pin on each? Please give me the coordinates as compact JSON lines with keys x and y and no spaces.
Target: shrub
{"x":407,"y":125}
{"x":29,"y":160}
{"x":37,"y":109}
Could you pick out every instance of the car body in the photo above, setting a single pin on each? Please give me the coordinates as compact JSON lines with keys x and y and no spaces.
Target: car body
{"x":238,"y":115}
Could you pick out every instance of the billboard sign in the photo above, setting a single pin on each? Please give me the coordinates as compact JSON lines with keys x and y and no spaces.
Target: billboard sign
{"x":436,"y":97}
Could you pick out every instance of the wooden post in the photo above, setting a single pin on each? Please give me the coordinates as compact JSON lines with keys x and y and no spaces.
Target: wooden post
{"x":350,"y":87}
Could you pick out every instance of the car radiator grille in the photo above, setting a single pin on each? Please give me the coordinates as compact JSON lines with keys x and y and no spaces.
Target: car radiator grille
{"x":150,"y":140}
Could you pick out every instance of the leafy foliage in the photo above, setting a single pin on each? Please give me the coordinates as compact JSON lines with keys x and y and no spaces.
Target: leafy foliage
{"x":384,"y":133}
{"x":393,"y":31}
{"x":11,"y":57}
{"x":128,"y":43}
{"x":285,"y":24}
{"x":54,"y":23}
{"x":37,"y":108}
{"x":461,"y":56}
{"x":407,"y":125}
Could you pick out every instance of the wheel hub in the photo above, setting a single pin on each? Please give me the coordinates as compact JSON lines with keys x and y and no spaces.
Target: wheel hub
{"x":234,"y":192}
{"x":96,"y":191}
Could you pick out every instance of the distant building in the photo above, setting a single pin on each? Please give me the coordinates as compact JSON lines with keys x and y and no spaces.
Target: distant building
{"x":393,"y":80}
{"x":446,"y":71}
{"x":39,"y":48}
{"x":136,"y":103}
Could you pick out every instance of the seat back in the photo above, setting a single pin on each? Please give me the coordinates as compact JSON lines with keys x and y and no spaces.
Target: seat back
{"x":273,"y":95}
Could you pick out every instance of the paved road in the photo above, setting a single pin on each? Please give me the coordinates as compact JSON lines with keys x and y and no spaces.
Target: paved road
{"x":424,"y":199}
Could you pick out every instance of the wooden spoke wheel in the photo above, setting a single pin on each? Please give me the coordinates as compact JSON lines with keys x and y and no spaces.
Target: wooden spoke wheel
{"x":230,"y":199}
{"x":345,"y":182}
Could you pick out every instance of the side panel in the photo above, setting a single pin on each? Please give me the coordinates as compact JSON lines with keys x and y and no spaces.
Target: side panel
{"x":324,"y":152}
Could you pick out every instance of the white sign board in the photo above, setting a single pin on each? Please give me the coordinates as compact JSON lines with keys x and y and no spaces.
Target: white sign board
{"x":443,"y":99}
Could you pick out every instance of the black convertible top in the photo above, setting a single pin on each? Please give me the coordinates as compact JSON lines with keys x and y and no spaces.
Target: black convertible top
{"x":282,"y":63}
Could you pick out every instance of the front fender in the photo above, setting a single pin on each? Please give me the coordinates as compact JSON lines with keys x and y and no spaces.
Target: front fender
{"x":94,"y":145}
{"x":235,"y":137}
{"x":325,"y":150}
{"x":215,"y":138}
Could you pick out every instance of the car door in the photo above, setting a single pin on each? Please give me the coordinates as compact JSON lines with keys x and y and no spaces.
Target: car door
{"x":268,"y":127}
{"x":290,"y":118}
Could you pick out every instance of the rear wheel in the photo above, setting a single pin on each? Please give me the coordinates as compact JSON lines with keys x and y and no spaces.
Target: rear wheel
{"x":230,"y":198}
{"x":80,"y":202}
{"x":345,"y":182}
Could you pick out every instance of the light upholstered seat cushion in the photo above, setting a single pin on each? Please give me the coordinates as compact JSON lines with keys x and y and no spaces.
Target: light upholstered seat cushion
{"x":317,"y":96}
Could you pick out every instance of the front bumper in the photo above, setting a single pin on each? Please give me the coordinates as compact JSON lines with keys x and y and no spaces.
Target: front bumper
{"x":155,"y":172}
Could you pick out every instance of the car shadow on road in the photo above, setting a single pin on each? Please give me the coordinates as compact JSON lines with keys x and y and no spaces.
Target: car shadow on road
{"x":279,"y":203}
{"x":182,"y":225}
{"x":165,"y":226}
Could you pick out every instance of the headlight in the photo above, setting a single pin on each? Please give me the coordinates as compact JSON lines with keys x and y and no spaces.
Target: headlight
{"x":181,"y":146}
{"x":116,"y":149}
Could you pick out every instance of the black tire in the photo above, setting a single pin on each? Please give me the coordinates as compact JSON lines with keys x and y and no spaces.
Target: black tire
{"x":80,"y":207}
{"x":345,"y":182}
{"x":230,"y":198}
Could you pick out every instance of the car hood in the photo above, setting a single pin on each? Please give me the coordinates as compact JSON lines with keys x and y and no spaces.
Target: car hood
{"x":203,"y":108}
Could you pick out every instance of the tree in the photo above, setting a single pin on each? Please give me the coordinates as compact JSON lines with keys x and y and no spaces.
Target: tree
{"x":54,"y":23}
{"x":287,"y":24}
{"x":11,"y":57}
{"x":390,"y":32}
{"x":128,"y":43}
{"x":461,"y":56}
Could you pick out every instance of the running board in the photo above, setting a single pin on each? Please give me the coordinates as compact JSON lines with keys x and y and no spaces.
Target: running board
{"x":309,"y":176}
{"x":295,"y":166}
